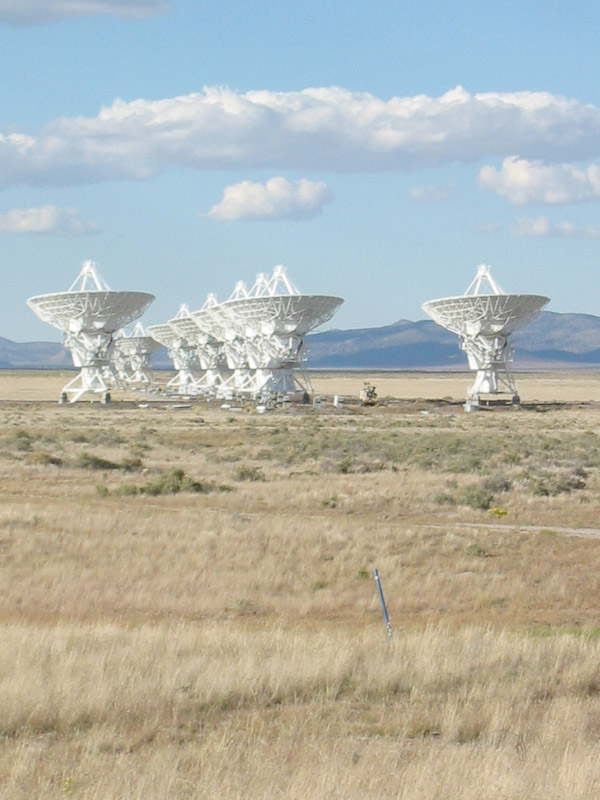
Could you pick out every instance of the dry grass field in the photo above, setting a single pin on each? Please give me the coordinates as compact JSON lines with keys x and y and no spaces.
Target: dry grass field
{"x":188,"y":610}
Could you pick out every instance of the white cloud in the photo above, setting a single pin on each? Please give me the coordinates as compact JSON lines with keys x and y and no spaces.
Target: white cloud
{"x":542,"y":226}
{"x":47,"y":219}
{"x":315,"y":129}
{"x":523,"y":182}
{"x":276,"y":199}
{"x":34,"y":12}
{"x":431,"y":194}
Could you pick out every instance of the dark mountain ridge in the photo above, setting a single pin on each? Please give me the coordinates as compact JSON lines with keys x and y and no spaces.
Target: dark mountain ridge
{"x":552,"y":341}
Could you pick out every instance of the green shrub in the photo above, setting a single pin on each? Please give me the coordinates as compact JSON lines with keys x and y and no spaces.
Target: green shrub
{"x":476,"y":550}
{"x":171,"y":482}
{"x":90,"y":461}
{"x":444,"y":499}
{"x":23,"y":441}
{"x":345,"y":465}
{"x":168,"y":483}
{"x":128,"y":490}
{"x":476,"y":496}
{"x":550,"y":484}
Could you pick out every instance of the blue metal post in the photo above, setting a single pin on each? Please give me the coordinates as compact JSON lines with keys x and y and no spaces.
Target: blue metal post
{"x":385,"y":614}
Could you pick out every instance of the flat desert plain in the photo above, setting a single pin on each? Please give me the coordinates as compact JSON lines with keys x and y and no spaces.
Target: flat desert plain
{"x":537,"y":387}
{"x":188,"y":610}
{"x":559,"y":386}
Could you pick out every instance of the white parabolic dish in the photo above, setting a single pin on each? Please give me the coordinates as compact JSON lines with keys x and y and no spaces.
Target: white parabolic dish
{"x":484,"y":323}
{"x":89,"y":314}
{"x":485,"y":314}
{"x":284,"y":314}
{"x":136,"y":345}
{"x":163,"y":334}
{"x":91,"y":311}
{"x":250,"y":344}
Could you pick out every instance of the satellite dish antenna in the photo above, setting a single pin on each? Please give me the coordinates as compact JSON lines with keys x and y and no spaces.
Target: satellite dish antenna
{"x":249,"y":345}
{"x":132,"y":354}
{"x":484,"y":320}
{"x":88,"y":315}
{"x":271,"y":321}
{"x":178,"y":336}
{"x":213,"y":335}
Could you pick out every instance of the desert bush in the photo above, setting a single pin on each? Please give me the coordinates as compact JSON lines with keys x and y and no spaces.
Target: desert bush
{"x":344,"y":466}
{"x":90,"y":461}
{"x":330,"y":502}
{"x":171,"y":482}
{"x":497,"y":484}
{"x":550,"y":484}
{"x":43,"y":459}
{"x":131,"y":464}
{"x":128,"y":490}
{"x":19,"y":441}
{"x":87,"y":460}
{"x":444,"y":499}
{"x":249,"y":473}
{"x":476,"y":549}
{"x":476,"y":496}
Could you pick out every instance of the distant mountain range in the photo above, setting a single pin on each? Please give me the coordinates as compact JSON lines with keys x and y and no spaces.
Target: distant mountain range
{"x":33,"y":355}
{"x":552,"y":341}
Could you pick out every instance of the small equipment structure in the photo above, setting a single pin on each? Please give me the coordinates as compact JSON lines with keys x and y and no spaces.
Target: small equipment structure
{"x":484,"y":321}
{"x":89,"y":314}
{"x":368,"y":395}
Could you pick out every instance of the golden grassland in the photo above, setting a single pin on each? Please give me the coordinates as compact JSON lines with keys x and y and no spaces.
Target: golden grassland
{"x":187,"y":604}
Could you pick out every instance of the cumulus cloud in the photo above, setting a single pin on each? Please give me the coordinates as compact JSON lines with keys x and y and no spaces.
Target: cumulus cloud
{"x":328,"y":129}
{"x":276,"y":199}
{"x":524,"y":182}
{"x":47,"y":219}
{"x":542,"y":226}
{"x":34,"y":12}
{"x":431,"y":194}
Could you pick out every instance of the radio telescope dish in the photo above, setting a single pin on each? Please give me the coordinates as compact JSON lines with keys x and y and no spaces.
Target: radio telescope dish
{"x":88,"y":315}
{"x":274,"y":306}
{"x":249,"y":345}
{"x":177,"y":335}
{"x":266,"y":327}
{"x":484,"y":321}
{"x":132,"y":354}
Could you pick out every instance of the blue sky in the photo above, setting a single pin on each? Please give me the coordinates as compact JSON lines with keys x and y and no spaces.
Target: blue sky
{"x":380,"y":150}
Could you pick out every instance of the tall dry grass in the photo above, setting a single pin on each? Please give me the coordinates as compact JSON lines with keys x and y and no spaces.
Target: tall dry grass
{"x":216,"y":631}
{"x":187,"y":710}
